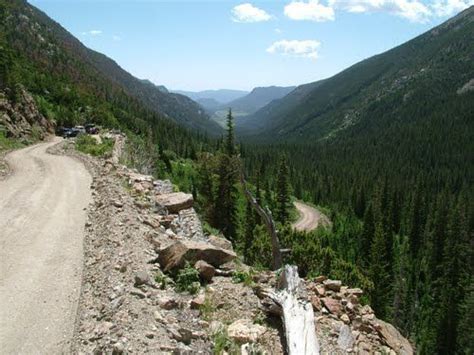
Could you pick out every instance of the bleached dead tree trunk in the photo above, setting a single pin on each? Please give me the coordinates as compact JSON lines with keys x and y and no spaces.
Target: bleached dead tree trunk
{"x":266,"y":216}
{"x":291,"y":303}
{"x":298,"y":316}
{"x":296,"y":311}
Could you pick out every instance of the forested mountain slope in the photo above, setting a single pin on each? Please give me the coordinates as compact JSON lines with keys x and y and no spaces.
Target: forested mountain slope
{"x":387,"y":89}
{"x":258,"y":98}
{"x":29,"y":34}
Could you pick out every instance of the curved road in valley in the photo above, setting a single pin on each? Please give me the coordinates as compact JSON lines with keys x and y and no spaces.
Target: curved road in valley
{"x":42,"y":216}
{"x":310,"y":218}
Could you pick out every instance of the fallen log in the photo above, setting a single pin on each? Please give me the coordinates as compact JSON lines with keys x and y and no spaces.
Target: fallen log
{"x":291,"y":302}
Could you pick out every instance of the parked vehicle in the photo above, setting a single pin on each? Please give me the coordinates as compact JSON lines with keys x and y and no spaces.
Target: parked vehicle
{"x":80,"y":129}
{"x":91,"y":128}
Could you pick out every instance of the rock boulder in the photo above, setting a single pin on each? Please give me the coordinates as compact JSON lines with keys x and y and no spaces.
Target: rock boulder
{"x":175,"y":202}
{"x":174,"y":257}
{"x":244,"y":331}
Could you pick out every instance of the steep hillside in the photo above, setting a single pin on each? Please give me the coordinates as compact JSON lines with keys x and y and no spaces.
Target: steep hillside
{"x":258,"y":120}
{"x":381,"y":90}
{"x":258,"y":98}
{"x":31,"y":38}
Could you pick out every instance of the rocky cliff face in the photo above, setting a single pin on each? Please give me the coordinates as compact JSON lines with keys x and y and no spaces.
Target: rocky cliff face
{"x":140,"y":234}
{"x":22,"y":119}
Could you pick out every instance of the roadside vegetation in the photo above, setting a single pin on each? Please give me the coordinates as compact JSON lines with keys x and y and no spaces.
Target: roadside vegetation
{"x":9,"y":143}
{"x":89,"y":145}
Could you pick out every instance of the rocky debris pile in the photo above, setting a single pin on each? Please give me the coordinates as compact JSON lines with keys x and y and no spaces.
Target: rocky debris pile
{"x":130,"y":304}
{"x":22,"y":119}
{"x":352,"y":327}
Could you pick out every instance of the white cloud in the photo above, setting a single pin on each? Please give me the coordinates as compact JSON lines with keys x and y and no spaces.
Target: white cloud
{"x":450,"y":7}
{"x":279,"y":31}
{"x":311,"y":10}
{"x":92,"y":33}
{"x":413,"y":10}
{"x":249,"y":13}
{"x":116,"y":38}
{"x":295,"y":48}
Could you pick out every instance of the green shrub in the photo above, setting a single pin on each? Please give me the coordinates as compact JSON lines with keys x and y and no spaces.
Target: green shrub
{"x":89,"y":145}
{"x":243,"y":277}
{"x":187,"y":279}
{"x":223,"y":344}
{"x":163,"y":280}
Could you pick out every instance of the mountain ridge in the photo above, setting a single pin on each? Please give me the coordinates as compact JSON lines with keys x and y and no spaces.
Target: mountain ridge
{"x":47,"y":42}
{"x":344,"y":100}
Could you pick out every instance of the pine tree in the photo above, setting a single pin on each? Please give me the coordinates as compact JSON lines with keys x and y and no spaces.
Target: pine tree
{"x":226,"y":211}
{"x":380,"y":296}
{"x":226,"y":203}
{"x":367,"y":237}
{"x":283,"y":193}
{"x":230,"y":140}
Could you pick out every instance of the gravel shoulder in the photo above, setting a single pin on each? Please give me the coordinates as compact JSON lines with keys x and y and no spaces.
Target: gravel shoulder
{"x":310,"y":218}
{"x":42,"y":217}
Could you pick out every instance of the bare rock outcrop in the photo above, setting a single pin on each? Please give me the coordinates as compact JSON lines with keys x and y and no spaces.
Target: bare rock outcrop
{"x":22,"y":119}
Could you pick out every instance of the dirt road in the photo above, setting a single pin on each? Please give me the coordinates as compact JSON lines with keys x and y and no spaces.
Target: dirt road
{"x":310,"y":218}
{"x":42,"y":216}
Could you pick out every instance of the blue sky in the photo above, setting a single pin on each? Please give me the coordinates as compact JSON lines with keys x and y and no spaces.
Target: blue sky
{"x":197,"y":45}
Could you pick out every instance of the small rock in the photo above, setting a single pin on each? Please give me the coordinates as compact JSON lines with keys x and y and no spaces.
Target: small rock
{"x":197,"y":302}
{"x":206,"y":271}
{"x":345,"y":318}
{"x":167,"y":303}
{"x":316,"y":303}
{"x":118,"y":349}
{"x":333,"y":285}
{"x":366,"y":310}
{"x":332,"y":305}
{"x":320,"y":279}
{"x":182,"y":334}
{"x":157,"y":315}
{"x":141,"y":278}
{"x":345,"y":340}
{"x":117,"y":203}
{"x":138,"y":293}
{"x":244,"y":331}
{"x":320,"y":291}
{"x":150,"y":335}
{"x":355,"y":292}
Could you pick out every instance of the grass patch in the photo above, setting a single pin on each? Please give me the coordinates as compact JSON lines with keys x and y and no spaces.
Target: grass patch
{"x":207,"y":309}
{"x":9,"y":143}
{"x":89,"y":145}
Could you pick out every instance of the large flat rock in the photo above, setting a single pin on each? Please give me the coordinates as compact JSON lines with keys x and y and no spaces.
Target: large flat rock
{"x":174,"y":257}
{"x":175,"y":201}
